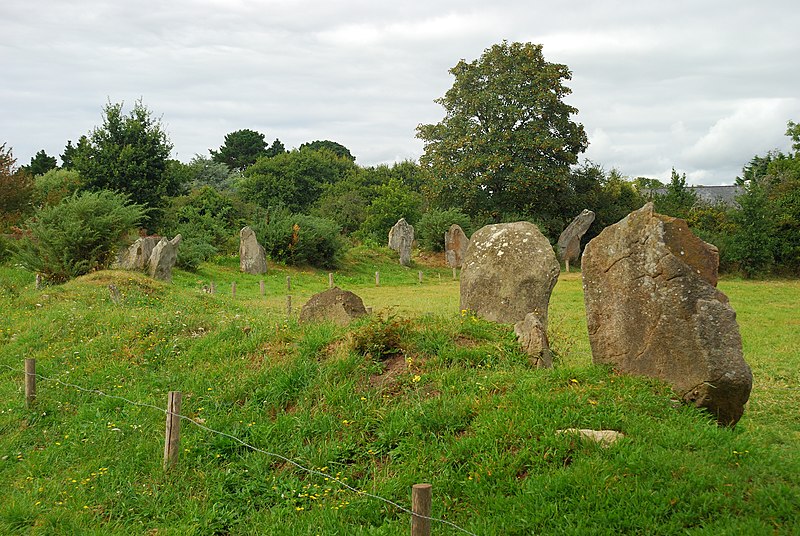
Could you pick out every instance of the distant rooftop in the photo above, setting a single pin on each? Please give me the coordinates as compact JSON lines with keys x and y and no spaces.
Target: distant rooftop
{"x":708,"y":194}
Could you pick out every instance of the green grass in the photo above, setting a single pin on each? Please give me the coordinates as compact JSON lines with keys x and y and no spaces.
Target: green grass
{"x":450,"y":400}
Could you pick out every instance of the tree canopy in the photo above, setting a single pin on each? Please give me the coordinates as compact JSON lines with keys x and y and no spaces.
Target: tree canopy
{"x":507,"y":139}
{"x":129,"y":154}
{"x":241,"y":149}
{"x":41,"y":163}
{"x":336,"y":148}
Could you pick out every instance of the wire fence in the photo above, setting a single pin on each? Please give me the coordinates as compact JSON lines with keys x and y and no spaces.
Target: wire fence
{"x":249,"y":446}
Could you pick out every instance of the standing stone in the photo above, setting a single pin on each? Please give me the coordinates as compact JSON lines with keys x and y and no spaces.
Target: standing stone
{"x":455,"y":246}
{"x":252,"y":256}
{"x":569,"y":242}
{"x":137,"y":255}
{"x":163,"y":258}
{"x":653,"y":308}
{"x":401,"y":237}
{"x":333,"y":305}
{"x":532,"y":336}
{"x":509,"y":270}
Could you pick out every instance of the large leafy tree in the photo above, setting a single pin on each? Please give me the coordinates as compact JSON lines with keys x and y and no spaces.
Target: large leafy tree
{"x":336,"y":148}
{"x":241,"y":149}
{"x":129,"y":154}
{"x":507,"y":140}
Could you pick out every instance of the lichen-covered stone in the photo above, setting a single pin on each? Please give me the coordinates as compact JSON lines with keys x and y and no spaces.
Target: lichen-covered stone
{"x":252,"y":256}
{"x":509,"y":270}
{"x":569,"y":242}
{"x":401,"y":238}
{"x":455,"y":246}
{"x":163,"y":258}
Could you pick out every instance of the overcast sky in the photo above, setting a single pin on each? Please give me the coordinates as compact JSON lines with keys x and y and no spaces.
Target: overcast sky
{"x":700,"y":86}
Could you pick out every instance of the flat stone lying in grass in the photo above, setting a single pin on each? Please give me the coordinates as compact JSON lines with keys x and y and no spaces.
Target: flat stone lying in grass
{"x":333,"y":305}
{"x":604,"y":438}
{"x":653,"y":308}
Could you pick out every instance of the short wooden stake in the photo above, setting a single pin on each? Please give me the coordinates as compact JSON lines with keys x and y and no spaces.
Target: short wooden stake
{"x":566,"y":263}
{"x":213,"y":288}
{"x":369,"y":309}
{"x":289,"y":283}
{"x":330,"y":279}
{"x":421,"y":510}
{"x":115,"y":295}
{"x":377,"y":279}
{"x":420,"y":276}
{"x":455,"y":273}
{"x":172,"y":441}
{"x":233,"y":289}
{"x":30,"y":382}
{"x":288,"y":305}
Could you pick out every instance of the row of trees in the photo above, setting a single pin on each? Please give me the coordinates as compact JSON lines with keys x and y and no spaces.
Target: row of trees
{"x":507,"y":149}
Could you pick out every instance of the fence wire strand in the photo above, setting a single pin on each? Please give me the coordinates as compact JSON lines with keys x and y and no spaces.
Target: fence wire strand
{"x":249,"y":446}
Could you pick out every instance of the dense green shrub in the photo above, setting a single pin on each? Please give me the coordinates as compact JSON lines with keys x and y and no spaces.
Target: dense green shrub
{"x":300,"y":239}
{"x":55,"y":185}
{"x":434,"y":224}
{"x":78,"y":235}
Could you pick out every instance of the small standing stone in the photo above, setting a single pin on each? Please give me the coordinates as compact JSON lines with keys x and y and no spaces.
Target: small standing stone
{"x":163,"y":258}
{"x":401,"y":238}
{"x":334,"y":305}
{"x":569,"y":242}
{"x":252,"y":255}
{"x":455,"y":246}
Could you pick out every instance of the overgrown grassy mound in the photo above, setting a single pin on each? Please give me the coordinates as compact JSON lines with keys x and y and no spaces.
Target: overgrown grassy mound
{"x":416,"y":393}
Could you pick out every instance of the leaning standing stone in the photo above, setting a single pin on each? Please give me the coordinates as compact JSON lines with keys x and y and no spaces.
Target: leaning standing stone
{"x":401,"y":237}
{"x":163,"y":258}
{"x":455,"y":246}
{"x":509,"y":270}
{"x":653,"y":308}
{"x":569,"y":242}
{"x":252,"y":256}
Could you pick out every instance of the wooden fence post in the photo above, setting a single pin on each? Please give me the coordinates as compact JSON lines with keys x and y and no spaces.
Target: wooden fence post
{"x":330,"y":279}
{"x":455,"y":273}
{"x":261,"y":287}
{"x":116,"y":297}
{"x":233,"y":289}
{"x":288,"y":305}
{"x":30,"y":382}
{"x":420,"y":277}
{"x":421,"y":510}
{"x":377,"y":279}
{"x":172,"y":441}
{"x":213,"y":288}
{"x":288,"y":283}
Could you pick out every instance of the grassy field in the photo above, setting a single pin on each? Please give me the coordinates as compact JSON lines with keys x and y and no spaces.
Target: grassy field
{"x":416,"y":393}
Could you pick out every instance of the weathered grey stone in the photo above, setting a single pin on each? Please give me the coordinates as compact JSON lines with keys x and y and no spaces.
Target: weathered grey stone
{"x":137,"y":255}
{"x":163,"y":258}
{"x":532,"y":336}
{"x":569,"y":242}
{"x":652,"y":308}
{"x":401,"y":238}
{"x":455,"y":246}
{"x":509,"y":270}
{"x":333,"y":305}
{"x":605,"y":438}
{"x":252,"y":256}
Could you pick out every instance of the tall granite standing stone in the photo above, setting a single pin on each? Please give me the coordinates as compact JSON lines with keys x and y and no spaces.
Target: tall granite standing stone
{"x":333,"y":305}
{"x":252,"y":256}
{"x":569,"y":242}
{"x":401,"y":237}
{"x":509,"y":270}
{"x":163,"y":258}
{"x":653,"y":308}
{"x":455,"y":246}
{"x":137,"y":255}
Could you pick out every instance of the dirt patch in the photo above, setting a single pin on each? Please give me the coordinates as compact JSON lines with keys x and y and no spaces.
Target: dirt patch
{"x":430,"y":259}
{"x":392,"y":367}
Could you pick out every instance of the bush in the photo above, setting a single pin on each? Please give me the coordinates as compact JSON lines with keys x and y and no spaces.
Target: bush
{"x":300,"y":239}
{"x":78,"y":235}
{"x":434,"y":224}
